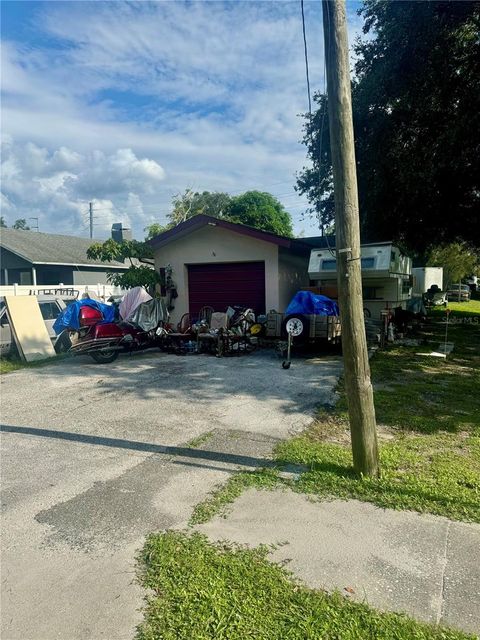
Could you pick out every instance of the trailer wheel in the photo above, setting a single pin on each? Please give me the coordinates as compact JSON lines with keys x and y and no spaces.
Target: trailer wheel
{"x":298,"y":325}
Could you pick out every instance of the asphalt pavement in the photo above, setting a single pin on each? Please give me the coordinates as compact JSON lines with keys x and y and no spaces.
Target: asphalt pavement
{"x":94,"y":457}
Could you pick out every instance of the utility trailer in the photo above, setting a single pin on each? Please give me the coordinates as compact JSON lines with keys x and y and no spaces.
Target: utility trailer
{"x":310,"y":327}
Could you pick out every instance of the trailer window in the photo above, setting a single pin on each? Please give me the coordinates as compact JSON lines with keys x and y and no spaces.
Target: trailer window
{"x":368,"y":263}
{"x":329,"y":265}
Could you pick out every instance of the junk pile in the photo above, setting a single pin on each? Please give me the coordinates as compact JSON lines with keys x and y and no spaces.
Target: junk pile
{"x":102,"y":331}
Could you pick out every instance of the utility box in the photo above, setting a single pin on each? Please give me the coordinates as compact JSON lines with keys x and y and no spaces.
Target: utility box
{"x":425,"y":277}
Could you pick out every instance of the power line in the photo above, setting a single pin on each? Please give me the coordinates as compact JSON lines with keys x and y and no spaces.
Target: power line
{"x":306,"y":60}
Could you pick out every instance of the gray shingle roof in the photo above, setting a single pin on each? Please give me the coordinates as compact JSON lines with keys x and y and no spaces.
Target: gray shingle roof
{"x":49,"y":248}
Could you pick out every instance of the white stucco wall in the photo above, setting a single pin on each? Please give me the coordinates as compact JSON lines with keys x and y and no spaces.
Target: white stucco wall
{"x":213,"y":244}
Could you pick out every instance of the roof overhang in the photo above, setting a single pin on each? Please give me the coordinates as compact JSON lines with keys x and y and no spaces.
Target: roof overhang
{"x":197,"y":222}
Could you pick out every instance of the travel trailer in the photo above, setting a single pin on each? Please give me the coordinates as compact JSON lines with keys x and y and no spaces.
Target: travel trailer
{"x":386,"y":275}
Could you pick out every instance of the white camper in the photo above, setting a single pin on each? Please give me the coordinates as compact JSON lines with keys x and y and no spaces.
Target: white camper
{"x":386,"y":275}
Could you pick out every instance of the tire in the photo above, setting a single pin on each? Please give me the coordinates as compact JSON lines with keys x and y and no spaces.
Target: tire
{"x":104,"y":356}
{"x":63,"y":343}
{"x":301,"y":318}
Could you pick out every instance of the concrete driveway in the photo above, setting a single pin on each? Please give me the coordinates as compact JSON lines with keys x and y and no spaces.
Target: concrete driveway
{"x":93,"y":458}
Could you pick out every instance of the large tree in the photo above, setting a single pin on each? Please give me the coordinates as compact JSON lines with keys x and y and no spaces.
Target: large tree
{"x":254,"y":208}
{"x":262,"y":211}
{"x":416,"y":97}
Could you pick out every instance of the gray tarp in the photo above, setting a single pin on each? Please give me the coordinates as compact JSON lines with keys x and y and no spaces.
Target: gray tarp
{"x":149,"y":315}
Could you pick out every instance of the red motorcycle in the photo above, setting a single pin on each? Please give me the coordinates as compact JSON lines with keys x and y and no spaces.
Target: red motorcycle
{"x":104,"y":341}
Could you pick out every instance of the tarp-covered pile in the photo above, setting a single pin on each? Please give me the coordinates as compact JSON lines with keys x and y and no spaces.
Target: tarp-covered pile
{"x":70,"y":317}
{"x":306,"y":303}
{"x":137,"y":307}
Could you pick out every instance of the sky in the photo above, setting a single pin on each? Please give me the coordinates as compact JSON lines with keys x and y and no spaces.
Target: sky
{"x":125,"y":104}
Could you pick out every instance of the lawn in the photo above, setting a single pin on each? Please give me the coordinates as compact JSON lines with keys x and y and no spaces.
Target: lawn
{"x":428,"y":416}
{"x":7,"y":365}
{"x":199,"y":590}
{"x":459,"y":309}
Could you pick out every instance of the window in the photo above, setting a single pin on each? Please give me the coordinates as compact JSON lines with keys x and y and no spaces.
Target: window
{"x":368,"y":263}
{"x":50,"y":310}
{"x":329,"y":264}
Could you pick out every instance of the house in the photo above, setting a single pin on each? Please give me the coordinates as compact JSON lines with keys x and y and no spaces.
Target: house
{"x":32,"y":258}
{"x":220,"y":263}
{"x":386,"y":273}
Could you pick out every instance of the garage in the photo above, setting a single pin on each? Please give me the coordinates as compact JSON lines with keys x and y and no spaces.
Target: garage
{"x":220,"y":263}
{"x":220,"y":285}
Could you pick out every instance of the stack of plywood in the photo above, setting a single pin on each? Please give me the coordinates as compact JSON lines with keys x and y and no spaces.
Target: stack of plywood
{"x":28,"y":328}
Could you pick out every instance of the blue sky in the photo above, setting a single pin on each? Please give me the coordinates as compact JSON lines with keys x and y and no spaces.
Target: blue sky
{"x":128,"y":103}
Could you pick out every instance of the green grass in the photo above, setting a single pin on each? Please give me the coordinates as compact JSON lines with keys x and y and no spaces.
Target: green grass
{"x":429,"y":422}
{"x":432,"y":474}
{"x":204,"y":591}
{"x":458,"y":309}
{"x":7,"y":365}
{"x":201,"y":439}
{"x":226,"y":493}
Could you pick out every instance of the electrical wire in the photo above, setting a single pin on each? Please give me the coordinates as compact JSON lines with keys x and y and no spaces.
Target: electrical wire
{"x":306,"y":60}
{"x":325,"y":94}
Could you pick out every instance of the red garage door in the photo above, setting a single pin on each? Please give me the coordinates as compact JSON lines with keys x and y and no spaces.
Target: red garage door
{"x":227,"y":284}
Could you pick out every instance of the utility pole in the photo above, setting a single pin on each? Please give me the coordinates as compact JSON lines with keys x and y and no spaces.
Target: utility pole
{"x":358,"y":386}
{"x":90,"y":215}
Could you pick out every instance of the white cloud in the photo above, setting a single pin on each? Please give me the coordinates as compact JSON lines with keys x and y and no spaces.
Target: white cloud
{"x":57,"y":185}
{"x":137,"y":101}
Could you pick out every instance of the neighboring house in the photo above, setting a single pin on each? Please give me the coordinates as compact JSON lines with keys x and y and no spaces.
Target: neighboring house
{"x":219,"y":263}
{"x":32,"y":258}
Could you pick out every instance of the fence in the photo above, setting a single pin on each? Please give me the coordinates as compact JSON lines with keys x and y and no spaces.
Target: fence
{"x":102,"y":290}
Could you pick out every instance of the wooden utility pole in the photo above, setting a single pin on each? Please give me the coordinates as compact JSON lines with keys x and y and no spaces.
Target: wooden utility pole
{"x":358,"y":386}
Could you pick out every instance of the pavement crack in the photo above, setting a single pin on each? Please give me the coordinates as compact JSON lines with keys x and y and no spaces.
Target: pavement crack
{"x":444,"y":560}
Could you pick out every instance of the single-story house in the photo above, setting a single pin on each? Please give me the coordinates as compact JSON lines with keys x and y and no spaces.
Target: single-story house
{"x":33,"y":258}
{"x":219,"y":263}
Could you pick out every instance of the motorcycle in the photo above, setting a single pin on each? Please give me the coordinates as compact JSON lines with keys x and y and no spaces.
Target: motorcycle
{"x":104,"y":339}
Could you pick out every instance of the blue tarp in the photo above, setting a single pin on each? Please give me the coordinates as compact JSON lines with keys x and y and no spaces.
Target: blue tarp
{"x":69,"y":318}
{"x":306,"y":302}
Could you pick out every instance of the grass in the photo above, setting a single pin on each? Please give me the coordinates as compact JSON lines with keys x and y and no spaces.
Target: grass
{"x":201,"y":439}
{"x":458,"y":309}
{"x":204,"y":591}
{"x":7,"y":365}
{"x":226,"y":493}
{"x":429,"y":427}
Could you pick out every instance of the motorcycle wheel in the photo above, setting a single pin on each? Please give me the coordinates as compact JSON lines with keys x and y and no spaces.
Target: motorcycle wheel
{"x":105,"y":356}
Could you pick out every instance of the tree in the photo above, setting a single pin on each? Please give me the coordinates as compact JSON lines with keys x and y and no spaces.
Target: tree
{"x":192,"y":203}
{"x":154,"y":229}
{"x":458,"y":260}
{"x":253,"y":208}
{"x":137,"y":275}
{"x":262,"y":211}
{"x":416,"y":101}
{"x":21,"y":224}
{"x":2,"y":222}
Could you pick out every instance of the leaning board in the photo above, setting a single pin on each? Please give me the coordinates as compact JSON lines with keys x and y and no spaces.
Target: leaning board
{"x":28,"y":328}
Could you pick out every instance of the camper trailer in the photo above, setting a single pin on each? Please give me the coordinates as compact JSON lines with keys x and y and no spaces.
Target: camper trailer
{"x":386,"y":275}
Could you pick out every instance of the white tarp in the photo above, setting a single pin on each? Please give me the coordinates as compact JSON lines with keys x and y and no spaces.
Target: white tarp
{"x":131,"y":300}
